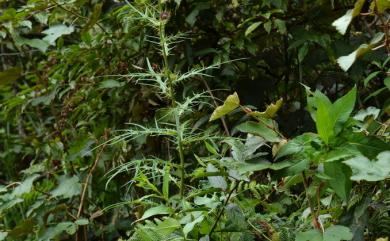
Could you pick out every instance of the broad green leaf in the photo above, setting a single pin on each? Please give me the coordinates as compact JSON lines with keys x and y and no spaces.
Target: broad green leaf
{"x":343,"y":108}
{"x":252,"y":27}
{"x":296,"y":145}
{"x":325,"y":121}
{"x":53,"y":232}
{"x":216,"y":181}
{"x":270,"y":111}
{"x":340,"y":178}
{"x":230,"y":104}
{"x":333,"y":233}
{"x":25,"y":186}
{"x":159,"y":210}
{"x":259,"y":129}
{"x":311,"y":235}
{"x":67,"y":187}
{"x":56,"y":31}
{"x":337,"y":233}
{"x":364,"y":169}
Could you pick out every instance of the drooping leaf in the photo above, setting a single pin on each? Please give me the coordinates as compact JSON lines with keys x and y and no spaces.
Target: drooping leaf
{"x":259,"y":129}
{"x":252,"y":28}
{"x":270,"y":111}
{"x":230,"y":104}
{"x":342,"y":23}
{"x":364,"y":169}
{"x":346,"y":62}
{"x":153,"y":211}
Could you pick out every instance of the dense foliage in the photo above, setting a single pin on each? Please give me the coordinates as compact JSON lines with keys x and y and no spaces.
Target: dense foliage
{"x":194,"y":120}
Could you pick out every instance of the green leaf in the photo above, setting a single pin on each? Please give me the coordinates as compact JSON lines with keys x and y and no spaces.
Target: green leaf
{"x":343,"y":108}
{"x":325,"y":121}
{"x":337,"y":233}
{"x":260,"y":165}
{"x":270,"y":111}
{"x":281,"y":26}
{"x":82,"y":222}
{"x":56,"y":31}
{"x":216,"y":181}
{"x":108,"y":84}
{"x":67,"y":187}
{"x":53,"y":232}
{"x":159,"y":210}
{"x":333,"y":233}
{"x":386,"y":81}
{"x":311,"y":235}
{"x":364,"y":169}
{"x":252,"y":27}
{"x":25,"y":186}
{"x":230,"y":104}
{"x":370,"y":77}
{"x":94,"y":16}
{"x":340,"y":178}
{"x":259,"y":129}
{"x":188,"y":227}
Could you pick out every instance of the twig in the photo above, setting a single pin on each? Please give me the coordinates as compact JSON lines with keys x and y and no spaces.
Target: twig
{"x":216,"y":104}
{"x":222,"y":209}
{"x":80,"y":209}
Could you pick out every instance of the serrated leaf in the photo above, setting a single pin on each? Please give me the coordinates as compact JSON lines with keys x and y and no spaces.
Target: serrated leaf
{"x":230,"y":104}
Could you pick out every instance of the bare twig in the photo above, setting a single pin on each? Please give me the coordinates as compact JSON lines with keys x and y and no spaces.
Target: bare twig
{"x":80,"y":209}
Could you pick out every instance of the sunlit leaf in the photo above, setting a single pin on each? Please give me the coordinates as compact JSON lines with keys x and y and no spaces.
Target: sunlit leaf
{"x":365,"y":169}
{"x":230,"y":104}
